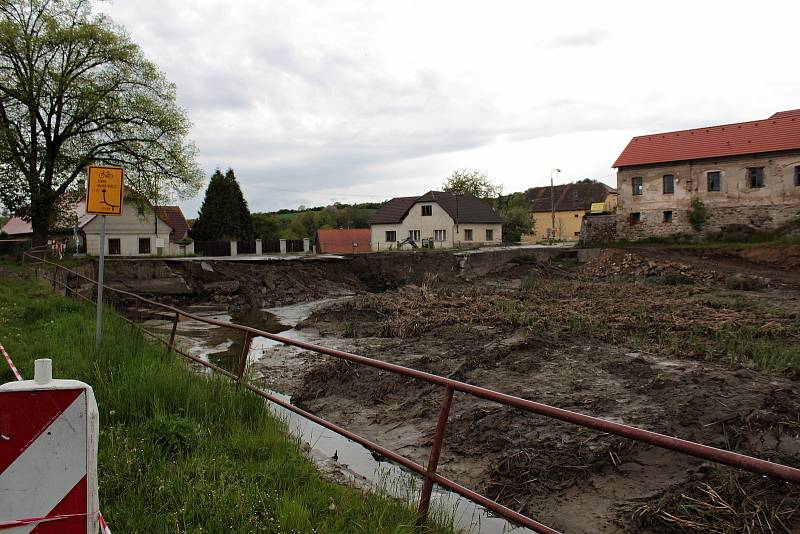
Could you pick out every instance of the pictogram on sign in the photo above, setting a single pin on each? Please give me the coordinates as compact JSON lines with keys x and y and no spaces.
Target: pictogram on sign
{"x":104,"y":190}
{"x":48,"y":456}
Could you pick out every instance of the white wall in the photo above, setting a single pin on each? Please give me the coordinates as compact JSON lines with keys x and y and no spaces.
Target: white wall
{"x":128,"y":228}
{"x":438,"y":220}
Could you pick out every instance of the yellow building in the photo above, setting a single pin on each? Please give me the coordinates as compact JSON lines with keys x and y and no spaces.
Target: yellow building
{"x":572,"y":201}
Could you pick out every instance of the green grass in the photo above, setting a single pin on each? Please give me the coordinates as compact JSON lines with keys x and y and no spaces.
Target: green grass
{"x":180,"y":452}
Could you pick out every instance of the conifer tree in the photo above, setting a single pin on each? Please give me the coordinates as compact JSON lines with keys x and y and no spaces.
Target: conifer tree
{"x":245,"y":221}
{"x":214,"y":221}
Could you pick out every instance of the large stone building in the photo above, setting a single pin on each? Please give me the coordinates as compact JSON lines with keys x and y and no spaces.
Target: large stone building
{"x":571,"y":202}
{"x":441,"y":220}
{"x":745,"y":174}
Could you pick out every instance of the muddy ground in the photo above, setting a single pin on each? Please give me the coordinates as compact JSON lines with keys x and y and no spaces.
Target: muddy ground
{"x":701,"y":345}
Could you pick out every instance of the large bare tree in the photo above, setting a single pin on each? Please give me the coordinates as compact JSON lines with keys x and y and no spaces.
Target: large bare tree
{"x":74,"y":91}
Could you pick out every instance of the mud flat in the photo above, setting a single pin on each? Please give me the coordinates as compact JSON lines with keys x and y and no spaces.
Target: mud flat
{"x":282,"y":369}
{"x":702,"y":346}
{"x":677,"y":352}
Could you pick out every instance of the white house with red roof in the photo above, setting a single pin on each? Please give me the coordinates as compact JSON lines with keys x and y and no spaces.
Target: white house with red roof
{"x":137,"y":232}
{"x":746,"y":175}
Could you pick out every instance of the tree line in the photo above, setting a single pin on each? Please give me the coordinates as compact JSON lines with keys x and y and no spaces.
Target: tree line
{"x":225,"y":214}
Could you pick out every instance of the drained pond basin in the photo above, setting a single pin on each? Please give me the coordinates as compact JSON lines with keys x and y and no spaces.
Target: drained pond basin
{"x":279,"y":368}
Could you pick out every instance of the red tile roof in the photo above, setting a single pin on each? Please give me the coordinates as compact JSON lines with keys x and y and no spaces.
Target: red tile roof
{"x":173,"y":216}
{"x":333,"y":241}
{"x":778,"y":133}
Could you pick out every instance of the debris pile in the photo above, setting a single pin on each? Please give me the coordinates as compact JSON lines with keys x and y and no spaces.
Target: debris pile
{"x":618,"y":263}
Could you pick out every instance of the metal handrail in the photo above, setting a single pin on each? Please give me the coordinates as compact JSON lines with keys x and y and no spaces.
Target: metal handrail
{"x":430,"y":476}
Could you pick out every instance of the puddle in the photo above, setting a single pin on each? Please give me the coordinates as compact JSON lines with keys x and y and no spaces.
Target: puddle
{"x":223,"y":347}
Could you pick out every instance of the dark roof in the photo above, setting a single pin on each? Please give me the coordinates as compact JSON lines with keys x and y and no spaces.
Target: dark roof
{"x":779,"y":132}
{"x":578,"y":196}
{"x":465,"y":208}
{"x":392,"y":211}
{"x":341,"y":240}
{"x":173,"y":216}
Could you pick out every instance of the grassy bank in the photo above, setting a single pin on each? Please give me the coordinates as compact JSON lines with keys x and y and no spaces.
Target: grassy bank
{"x":179,"y":452}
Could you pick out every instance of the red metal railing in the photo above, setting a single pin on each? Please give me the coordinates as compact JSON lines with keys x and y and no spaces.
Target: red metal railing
{"x":429,"y":474}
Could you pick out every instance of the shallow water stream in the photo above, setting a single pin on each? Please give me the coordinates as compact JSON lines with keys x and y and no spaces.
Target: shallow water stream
{"x":353,"y":463}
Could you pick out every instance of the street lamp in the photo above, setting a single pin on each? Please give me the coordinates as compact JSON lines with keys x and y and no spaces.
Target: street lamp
{"x":456,"y":194}
{"x":552,"y":206}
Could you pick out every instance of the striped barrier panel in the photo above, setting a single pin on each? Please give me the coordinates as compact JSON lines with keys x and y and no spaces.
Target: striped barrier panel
{"x":48,"y":456}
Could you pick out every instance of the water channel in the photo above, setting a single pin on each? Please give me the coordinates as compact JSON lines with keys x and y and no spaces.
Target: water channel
{"x":357,"y":464}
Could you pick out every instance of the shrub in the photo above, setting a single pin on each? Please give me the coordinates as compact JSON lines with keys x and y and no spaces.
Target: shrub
{"x":529,"y":282}
{"x":698,"y":214}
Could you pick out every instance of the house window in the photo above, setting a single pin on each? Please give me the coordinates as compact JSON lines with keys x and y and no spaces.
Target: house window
{"x":714,"y":180}
{"x":489,"y":235}
{"x":391,"y":236}
{"x":755,"y":176}
{"x":638,"y":188}
{"x":669,"y":184}
{"x":668,"y":216}
{"x":413,"y":235}
{"x":114,"y":247}
{"x":439,"y":235}
{"x":427,"y":211}
{"x":468,"y":235}
{"x":635,"y":218}
{"x":797,"y":176}
{"x":144,"y":245}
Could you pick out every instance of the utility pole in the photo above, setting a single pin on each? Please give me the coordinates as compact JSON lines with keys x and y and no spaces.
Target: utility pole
{"x":456,"y":194}
{"x":552,"y":206}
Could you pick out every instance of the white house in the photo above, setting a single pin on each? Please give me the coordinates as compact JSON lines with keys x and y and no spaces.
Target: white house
{"x":443,"y":219}
{"x":137,"y":232}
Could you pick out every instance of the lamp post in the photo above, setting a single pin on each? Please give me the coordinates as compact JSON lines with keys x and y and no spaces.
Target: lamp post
{"x":456,"y":194}
{"x":552,"y":206}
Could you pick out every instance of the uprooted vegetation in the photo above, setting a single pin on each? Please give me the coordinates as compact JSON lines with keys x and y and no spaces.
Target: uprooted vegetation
{"x":670,"y":345}
{"x":688,"y":318}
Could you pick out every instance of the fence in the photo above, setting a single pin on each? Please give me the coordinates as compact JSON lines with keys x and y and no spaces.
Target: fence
{"x":270,"y":246}
{"x":429,"y":473}
{"x":246,"y":247}
{"x":294,"y":245}
{"x":214,"y":248}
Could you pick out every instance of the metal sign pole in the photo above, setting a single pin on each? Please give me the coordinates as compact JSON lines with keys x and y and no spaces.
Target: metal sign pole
{"x":99,"y":329}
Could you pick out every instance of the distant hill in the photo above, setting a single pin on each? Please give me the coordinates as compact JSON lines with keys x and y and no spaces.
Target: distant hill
{"x":304,"y":222}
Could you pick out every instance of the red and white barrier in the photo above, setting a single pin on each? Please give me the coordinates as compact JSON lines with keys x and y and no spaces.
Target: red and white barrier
{"x":48,"y":455}
{"x":10,"y":363}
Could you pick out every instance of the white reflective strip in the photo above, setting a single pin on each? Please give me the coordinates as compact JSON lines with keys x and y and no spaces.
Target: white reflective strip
{"x":47,"y":470}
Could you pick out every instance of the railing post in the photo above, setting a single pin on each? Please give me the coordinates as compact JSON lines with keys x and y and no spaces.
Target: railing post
{"x":55,"y":274}
{"x":243,"y":358}
{"x":172,"y":334}
{"x":433,"y":459}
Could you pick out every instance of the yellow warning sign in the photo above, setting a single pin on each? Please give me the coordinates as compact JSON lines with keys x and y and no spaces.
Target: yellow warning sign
{"x":104,"y":190}
{"x":597,"y":207}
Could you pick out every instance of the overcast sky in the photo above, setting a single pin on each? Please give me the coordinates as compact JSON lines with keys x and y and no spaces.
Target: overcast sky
{"x":353,"y":101}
